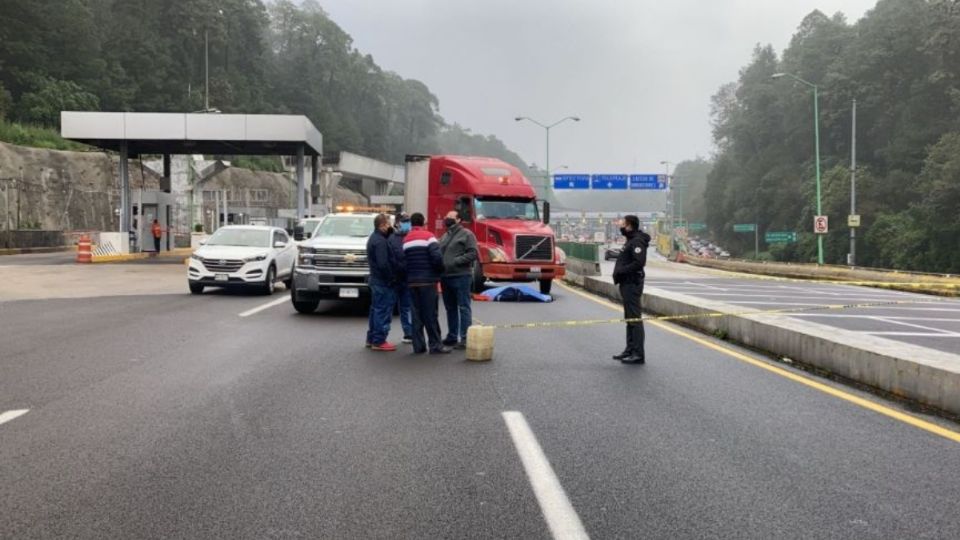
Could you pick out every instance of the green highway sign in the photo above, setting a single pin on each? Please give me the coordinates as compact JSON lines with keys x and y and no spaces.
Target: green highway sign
{"x":697,"y":226}
{"x":780,"y":237}
{"x":744,"y":227}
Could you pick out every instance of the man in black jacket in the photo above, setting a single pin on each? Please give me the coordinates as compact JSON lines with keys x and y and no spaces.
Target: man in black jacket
{"x":628,"y":274}
{"x":384,"y":271}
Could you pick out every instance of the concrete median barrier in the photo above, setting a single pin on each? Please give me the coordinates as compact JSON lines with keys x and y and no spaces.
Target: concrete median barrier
{"x":919,"y":374}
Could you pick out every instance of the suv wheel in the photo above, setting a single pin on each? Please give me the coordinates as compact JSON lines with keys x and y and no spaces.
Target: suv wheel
{"x":270,"y":282}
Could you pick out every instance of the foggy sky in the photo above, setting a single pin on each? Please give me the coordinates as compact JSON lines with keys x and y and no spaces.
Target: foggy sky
{"x":639,"y":73}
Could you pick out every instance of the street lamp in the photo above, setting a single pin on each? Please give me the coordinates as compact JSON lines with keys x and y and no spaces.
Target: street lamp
{"x":547,"y":129}
{"x":816,"y":137}
{"x":671,"y":198}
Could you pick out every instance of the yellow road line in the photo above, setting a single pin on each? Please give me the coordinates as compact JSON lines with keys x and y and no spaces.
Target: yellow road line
{"x":827,"y":389}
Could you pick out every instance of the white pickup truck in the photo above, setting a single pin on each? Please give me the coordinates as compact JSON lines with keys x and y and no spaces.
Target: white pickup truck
{"x":332,"y":264}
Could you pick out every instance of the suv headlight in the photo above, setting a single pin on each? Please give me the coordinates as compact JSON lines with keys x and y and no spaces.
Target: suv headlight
{"x":196,"y":257}
{"x":256,"y":258}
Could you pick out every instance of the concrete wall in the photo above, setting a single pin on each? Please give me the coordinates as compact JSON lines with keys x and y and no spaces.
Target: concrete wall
{"x":31,"y":239}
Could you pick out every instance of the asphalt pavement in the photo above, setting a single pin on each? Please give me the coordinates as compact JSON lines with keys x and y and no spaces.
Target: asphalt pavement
{"x":173,"y":416}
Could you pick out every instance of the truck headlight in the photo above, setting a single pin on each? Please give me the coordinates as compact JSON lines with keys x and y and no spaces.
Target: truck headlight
{"x":497,"y":255}
{"x":561,"y":256}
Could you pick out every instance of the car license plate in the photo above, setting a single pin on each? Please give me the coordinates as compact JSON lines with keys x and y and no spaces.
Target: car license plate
{"x":349,"y":293}
{"x":221,"y":277}
{"x":535,"y":270}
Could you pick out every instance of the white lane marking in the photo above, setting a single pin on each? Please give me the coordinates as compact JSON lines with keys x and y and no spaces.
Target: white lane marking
{"x":912,"y":334}
{"x":10,"y":415}
{"x":911,"y":325}
{"x":861,"y":316}
{"x":268,"y":305}
{"x":559,"y":514}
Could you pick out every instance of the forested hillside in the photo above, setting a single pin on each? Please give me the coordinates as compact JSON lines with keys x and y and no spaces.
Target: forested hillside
{"x":901,"y":62}
{"x":265,"y":57}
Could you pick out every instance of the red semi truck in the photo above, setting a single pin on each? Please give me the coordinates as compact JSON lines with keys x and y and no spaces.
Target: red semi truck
{"x":498,"y":204}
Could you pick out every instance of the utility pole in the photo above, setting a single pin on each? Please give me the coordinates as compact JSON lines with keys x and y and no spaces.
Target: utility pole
{"x":206,"y":70}
{"x":19,"y":196}
{"x":853,"y":185}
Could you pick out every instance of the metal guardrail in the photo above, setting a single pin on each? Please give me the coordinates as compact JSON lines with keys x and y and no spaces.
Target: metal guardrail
{"x":587,"y":252}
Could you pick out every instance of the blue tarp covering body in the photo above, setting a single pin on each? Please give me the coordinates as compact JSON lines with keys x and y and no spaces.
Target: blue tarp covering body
{"x":517,"y":293}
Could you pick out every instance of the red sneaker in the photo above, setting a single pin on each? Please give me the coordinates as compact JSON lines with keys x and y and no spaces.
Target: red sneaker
{"x":386,"y":346}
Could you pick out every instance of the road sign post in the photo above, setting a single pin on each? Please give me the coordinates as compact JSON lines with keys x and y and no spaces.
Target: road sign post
{"x":750,"y":227}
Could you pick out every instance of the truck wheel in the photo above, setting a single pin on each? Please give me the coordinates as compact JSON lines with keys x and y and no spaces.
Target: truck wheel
{"x":196,"y":288}
{"x":303,"y":306}
{"x":545,"y":285}
{"x":479,"y":280}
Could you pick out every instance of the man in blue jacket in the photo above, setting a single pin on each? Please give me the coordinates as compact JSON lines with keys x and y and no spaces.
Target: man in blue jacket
{"x":385,"y":268}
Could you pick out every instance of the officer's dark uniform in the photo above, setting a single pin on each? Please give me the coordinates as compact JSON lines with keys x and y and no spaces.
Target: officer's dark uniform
{"x":628,"y":274}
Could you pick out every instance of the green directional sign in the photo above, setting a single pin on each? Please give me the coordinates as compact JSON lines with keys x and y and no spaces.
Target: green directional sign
{"x":744,"y":227}
{"x":780,"y":237}
{"x":697,"y":226}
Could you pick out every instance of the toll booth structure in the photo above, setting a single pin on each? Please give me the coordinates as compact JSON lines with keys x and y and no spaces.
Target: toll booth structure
{"x":132,"y":135}
{"x":380,"y":182}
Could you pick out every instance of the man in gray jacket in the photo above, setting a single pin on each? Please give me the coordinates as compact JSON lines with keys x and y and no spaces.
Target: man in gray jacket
{"x":459,"y":248}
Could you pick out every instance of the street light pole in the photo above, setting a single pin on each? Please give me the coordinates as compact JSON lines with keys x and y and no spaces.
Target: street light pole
{"x":546,"y":128}
{"x":816,"y":137}
{"x":853,"y":185}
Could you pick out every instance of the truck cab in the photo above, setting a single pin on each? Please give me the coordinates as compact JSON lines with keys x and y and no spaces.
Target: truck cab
{"x":499,"y":205}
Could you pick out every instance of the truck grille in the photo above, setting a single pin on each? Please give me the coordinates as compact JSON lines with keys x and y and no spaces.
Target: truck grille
{"x":340,"y":258}
{"x":225,"y":266}
{"x":534,"y":248}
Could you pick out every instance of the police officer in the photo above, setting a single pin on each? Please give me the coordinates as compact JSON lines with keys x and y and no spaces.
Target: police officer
{"x":628,"y":274}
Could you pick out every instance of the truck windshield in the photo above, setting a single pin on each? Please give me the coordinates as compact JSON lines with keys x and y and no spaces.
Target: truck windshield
{"x":358,"y":226}
{"x":493,"y":208}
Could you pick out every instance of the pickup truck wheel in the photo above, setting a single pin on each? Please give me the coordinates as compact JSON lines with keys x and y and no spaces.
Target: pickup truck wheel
{"x":478,"y":284}
{"x":303,"y":306}
{"x":545,"y":285}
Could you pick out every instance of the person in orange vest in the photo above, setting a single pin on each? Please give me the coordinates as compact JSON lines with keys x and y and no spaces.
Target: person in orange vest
{"x":157,"y":235}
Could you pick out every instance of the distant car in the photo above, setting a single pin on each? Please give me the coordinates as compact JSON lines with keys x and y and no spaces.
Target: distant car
{"x":243,"y":256}
{"x":724,"y":255}
{"x":611,"y":253}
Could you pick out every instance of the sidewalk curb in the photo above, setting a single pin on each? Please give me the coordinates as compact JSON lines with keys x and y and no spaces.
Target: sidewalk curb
{"x":923,"y":375}
{"x":27,"y":251}
{"x":172,"y":254}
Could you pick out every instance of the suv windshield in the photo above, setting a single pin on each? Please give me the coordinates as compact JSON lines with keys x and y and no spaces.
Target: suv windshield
{"x":489,"y":208}
{"x":357,"y":226}
{"x":240,"y":237}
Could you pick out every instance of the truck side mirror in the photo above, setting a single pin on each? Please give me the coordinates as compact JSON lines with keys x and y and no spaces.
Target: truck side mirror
{"x":546,"y":212}
{"x":298,"y":233}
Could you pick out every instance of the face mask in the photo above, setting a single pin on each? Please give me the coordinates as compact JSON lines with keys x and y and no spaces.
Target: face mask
{"x":405,"y":227}
{"x":449,"y":222}
{"x":623,"y":231}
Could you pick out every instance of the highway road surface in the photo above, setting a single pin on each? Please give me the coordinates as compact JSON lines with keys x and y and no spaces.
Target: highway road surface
{"x":230,"y":416}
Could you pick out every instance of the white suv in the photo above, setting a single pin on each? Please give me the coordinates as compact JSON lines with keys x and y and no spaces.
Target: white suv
{"x":243,"y":256}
